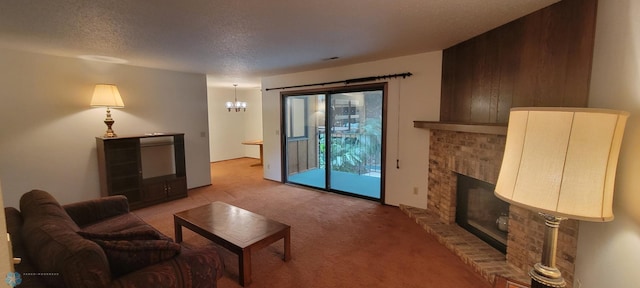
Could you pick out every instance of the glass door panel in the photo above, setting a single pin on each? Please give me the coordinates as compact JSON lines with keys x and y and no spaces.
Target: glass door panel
{"x":305,"y":148}
{"x":355,"y":132}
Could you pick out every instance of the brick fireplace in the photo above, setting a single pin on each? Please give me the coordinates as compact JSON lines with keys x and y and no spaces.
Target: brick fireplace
{"x":479,"y":155}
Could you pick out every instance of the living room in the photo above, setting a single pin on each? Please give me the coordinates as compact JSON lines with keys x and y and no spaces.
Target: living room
{"x":48,"y":136}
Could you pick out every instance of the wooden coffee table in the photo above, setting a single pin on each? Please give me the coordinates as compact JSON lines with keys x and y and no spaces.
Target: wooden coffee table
{"x":236,"y":229}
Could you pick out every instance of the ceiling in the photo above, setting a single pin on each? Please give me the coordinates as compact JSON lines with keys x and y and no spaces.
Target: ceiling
{"x":241,"y":41}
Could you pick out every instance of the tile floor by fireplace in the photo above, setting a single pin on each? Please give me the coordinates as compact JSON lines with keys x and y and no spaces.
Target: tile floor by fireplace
{"x":484,"y":259}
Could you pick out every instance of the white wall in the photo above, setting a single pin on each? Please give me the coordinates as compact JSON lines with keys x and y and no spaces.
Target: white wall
{"x":413,"y":98}
{"x":228,"y":129}
{"x":47,"y":138}
{"x":609,"y":253}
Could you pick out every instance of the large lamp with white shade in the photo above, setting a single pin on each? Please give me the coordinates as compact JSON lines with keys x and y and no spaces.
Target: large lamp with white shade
{"x":560,"y":162}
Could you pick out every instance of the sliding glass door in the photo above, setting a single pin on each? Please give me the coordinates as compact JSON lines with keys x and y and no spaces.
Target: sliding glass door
{"x":333,"y":140}
{"x":304,"y":132}
{"x":356,"y":142}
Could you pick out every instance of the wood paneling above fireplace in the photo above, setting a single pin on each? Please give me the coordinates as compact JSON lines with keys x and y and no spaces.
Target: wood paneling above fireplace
{"x":542,"y":59}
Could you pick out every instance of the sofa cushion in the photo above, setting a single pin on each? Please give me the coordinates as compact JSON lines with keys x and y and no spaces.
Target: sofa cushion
{"x":124,"y":223}
{"x":122,"y":235}
{"x":40,"y":205}
{"x":91,"y":211}
{"x":130,"y":255}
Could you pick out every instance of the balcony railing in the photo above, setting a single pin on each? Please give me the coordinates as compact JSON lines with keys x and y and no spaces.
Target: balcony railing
{"x":352,"y":151}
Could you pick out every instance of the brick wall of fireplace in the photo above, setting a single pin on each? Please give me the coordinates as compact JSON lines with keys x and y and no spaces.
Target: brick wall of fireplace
{"x":479,"y":155}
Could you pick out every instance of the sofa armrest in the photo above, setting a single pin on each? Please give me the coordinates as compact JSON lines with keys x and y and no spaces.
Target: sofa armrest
{"x":91,"y":211}
{"x":197,"y":267}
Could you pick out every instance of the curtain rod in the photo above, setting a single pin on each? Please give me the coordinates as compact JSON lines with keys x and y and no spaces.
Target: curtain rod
{"x":348,"y":81}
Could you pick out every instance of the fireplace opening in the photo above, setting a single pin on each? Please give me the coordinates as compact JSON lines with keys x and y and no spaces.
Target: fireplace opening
{"x":480,"y":212}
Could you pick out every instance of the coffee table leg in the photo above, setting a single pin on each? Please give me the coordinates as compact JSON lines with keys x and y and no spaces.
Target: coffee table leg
{"x":178,"y":230}
{"x":244,"y":268}
{"x":287,"y":245}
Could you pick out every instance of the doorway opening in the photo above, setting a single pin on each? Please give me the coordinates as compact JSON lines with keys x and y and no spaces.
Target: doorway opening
{"x":334,"y":139}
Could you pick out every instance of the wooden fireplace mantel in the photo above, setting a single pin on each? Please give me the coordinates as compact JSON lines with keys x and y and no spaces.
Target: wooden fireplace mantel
{"x":483,"y":128}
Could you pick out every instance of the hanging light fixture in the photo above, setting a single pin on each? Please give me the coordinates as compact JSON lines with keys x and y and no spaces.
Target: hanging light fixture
{"x":236,"y":105}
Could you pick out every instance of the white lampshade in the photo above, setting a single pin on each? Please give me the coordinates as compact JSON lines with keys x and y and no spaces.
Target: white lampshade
{"x":106,"y":95}
{"x":562,"y":161}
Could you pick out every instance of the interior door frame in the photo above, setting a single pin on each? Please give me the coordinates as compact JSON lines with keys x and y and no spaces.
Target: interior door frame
{"x":334,"y":90}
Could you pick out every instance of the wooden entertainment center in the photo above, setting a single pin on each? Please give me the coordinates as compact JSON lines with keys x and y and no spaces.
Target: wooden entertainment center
{"x":147,"y":169}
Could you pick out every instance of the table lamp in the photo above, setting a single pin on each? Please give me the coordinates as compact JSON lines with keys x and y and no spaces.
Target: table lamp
{"x":107,"y":95}
{"x":560,"y":162}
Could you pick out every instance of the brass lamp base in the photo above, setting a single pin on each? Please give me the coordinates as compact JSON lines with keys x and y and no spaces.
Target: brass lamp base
{"x":545,"y":277}
{"x":109,"y":121}
{"x":545,"y":274}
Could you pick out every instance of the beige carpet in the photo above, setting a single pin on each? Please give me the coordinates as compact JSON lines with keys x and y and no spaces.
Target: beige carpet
{"x":337,"y":241}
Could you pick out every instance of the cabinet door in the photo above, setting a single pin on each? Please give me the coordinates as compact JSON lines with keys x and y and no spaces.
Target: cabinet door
{"x":155,"y":191}
{"x":177,"y":187}
{"x":123,"y":168}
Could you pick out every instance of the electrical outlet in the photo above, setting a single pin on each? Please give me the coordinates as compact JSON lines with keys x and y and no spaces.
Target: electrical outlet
{"x":415,"y":190}
{"x":268,"y":166}
{"x":578,"y":283}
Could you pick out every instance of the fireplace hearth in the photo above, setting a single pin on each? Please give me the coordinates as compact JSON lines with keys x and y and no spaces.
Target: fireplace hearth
{"x":480,"y":212}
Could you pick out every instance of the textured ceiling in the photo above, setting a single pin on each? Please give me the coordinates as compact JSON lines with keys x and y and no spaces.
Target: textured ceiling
{"x":247,"y":39}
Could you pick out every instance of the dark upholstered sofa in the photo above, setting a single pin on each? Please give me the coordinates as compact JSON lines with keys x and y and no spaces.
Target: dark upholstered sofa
{"x":99,"y":243}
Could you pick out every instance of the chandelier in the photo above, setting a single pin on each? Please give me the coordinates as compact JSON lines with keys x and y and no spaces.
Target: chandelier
{"x":236,"y":105}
